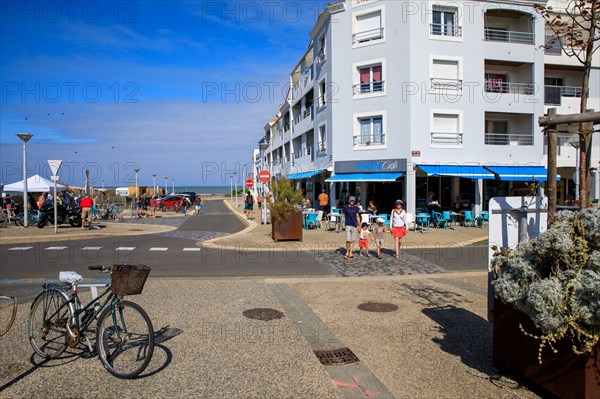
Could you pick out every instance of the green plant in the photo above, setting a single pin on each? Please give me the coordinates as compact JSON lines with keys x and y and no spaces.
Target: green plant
{"x":285,"y":199}
{"x":555,"y":280}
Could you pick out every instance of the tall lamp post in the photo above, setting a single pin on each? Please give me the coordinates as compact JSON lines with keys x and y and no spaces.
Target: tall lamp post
{"x":25,"y":138}
{"x":166,"y":183}
{"x":173,"y":186}
{"x":235,"y":185}
{"x":154,"y":185}
{"x":263,"y":147}
{"x":136,"y":170}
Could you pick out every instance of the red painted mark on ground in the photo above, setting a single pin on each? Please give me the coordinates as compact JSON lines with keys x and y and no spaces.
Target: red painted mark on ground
{"x":343,"y":384}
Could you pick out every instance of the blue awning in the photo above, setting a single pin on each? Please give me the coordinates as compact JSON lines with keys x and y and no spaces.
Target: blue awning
{"x":304,"y":175}
{"x":466,"y":171}
{"x":366,"y":177}
{"x":520,"y":173}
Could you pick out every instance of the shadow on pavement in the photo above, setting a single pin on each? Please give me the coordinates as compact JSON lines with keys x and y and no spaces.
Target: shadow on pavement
{"x":161,"y":336}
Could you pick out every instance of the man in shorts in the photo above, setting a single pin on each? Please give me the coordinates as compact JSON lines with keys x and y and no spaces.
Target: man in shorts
{"x":350,"y":219}
{"x":86,"y":205}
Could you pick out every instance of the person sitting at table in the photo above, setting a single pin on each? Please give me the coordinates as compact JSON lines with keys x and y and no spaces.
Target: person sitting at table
{"x":372,"y":208}
{"x":306,"y":204}
{"x":359,"y":206}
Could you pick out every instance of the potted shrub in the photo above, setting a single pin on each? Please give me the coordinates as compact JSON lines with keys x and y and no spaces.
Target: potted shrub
{"x":286,"y":216}
{"x":547,"y":307}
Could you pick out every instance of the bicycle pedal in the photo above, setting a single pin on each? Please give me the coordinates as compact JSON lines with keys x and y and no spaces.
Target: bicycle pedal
{"x":89,"y":344}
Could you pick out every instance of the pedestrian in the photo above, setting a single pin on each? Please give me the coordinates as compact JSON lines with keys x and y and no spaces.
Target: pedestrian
{"x":398,"y":225}
{"x":378,"y":233}
{"x":350,"y":219}
{"x":323,"y":199}
{"x":86,"y":205}
{"x":249,"y":205}
{"x":153,"y":206}
{"x":138,"y":203}
{"x":78,"y":200}
{"x":198,"y":204}
{"x":259,"y":200}
{"x":363,"y":239}
{"x":184,"y":204}
{"x":372,"y":209}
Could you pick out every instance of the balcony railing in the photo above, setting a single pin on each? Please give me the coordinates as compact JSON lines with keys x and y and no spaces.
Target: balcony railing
{"x":553,"y":94}
{"x":446,"y":138}
{"x":321,"y":101}
{"x":286,"y":127}
{"x":308,"y":112}
{"x":500,"y":35}
{"x":444,"y":83}
{"x":321,"y":57}
{"x":369,"y":139}
{"x":495,"y":86}
{"x":305,"y":152}
{"x":445,"y":30}
{"x":508,"y":139}
{"x":368,"y":35}
{"x":369,"y":87}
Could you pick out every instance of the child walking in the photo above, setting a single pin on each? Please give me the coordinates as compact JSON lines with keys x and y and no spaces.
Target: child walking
{"x":378,"y":233}
{"x":363,"y":239}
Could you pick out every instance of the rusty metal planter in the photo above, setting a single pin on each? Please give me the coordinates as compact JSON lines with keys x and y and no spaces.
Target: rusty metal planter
{"x":564,"y":374}
{"x":288,"y":229}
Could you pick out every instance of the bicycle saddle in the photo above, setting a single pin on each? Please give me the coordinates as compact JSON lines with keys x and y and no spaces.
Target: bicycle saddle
{"x":69,"y":277}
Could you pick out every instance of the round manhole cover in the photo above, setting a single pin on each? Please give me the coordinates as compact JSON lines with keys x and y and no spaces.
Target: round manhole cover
{"x":264,"y":314}
{"x":378,"y":307}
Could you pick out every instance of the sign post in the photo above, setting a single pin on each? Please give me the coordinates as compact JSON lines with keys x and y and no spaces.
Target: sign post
{"x":264,"y":176}
{"x":55,"y":167}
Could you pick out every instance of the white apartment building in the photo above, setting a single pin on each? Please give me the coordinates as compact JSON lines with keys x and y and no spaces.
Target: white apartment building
{"x":394,"y":99}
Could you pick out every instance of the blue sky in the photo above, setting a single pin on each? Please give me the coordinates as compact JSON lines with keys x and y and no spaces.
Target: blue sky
{"x":181,"y":89}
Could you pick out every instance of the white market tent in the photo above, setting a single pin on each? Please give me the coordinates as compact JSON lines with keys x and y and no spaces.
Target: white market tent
{"x":35,"y":184}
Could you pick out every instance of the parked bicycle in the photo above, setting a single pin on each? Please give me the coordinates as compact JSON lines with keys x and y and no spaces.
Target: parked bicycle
{"x":9,"y":304}
{"x":124,"y":332}
{"x":32,"y":218}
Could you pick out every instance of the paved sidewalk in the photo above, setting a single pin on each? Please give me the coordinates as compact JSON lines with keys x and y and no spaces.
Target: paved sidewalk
{"x":437,"y":344}
{"x":258,"y":236}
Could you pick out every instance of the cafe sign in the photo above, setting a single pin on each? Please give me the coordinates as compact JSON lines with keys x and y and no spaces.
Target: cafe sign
{"x":371,"y":166}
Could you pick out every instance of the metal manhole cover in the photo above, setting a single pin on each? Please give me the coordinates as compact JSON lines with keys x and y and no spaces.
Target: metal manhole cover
{"x":377,"y":307}
{"x":264,"y":314}
{"x":336,"y":356}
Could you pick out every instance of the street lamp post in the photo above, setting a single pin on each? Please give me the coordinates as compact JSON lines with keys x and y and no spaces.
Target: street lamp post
{"x":173,"y":186}
{"x":24,"y":137}
{"x":154,"y":184}
{"x":235,"y":187}
{"x":166,"y":185}
{"x":136,"y":170}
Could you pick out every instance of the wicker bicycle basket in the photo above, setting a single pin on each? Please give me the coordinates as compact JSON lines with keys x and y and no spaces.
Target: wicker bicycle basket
{"x":128,"y":279}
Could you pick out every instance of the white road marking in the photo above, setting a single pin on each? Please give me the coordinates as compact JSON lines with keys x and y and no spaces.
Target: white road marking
{"x":158,"y":249}
{"x":191,"y":249}
{"x":124,"y":249}
{"x":19,"y":248}
{"x":54,"y":248}
{"x":91,"y":248}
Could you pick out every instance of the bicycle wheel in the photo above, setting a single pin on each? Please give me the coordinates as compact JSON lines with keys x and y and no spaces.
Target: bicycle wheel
{"x":124,"y":339}
{"x":48,"y":318}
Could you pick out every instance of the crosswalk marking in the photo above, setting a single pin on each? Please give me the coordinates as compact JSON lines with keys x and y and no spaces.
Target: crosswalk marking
{"x":19,"y":248}
{"x":124,"y":249}
{"x":191,"y":249}
{"x":91,"y":248}
{"x":158,"y":249}
{"x":54,"y":248}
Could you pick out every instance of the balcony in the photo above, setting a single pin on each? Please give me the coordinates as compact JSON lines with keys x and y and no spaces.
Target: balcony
{"x":306,"y":152}
{"x":369,"y":139}
{"x":369,"y":87}
{"x":321,"y":148}
{"x":321,"y":56}
{"x":553,"y":94}
{"x":321,"y":101}
{"x":508,"y":139}
{"x":447,"y":30}
{"x":286,"y":127}
{"x":501,"y":35}
{"x":367,"y":36}
{"x":494,"y":86}
{"x":442,"y":138}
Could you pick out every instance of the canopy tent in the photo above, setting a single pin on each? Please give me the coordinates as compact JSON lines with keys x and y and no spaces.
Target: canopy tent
{"x":35,"y":184}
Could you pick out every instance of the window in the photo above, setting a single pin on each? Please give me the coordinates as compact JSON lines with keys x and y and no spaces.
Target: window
{"x":496,"y":132}
{"x":322,"y":145}
{"x":321,"y":56}
{"x":371,"y":131}
{"x":368,"y":27}
{"x":322,"y":94}
{"x":370,"y":80}
{"x":445,"y":22}
{"x":445,"y":74}
{"x":553,"y":88}
{"x":445,"y":129}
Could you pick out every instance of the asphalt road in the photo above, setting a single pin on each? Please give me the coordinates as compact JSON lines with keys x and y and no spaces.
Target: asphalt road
{"x":177,"y":254}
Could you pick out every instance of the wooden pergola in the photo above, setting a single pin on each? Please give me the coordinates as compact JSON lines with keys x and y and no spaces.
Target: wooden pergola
{"x":550,"y":122}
